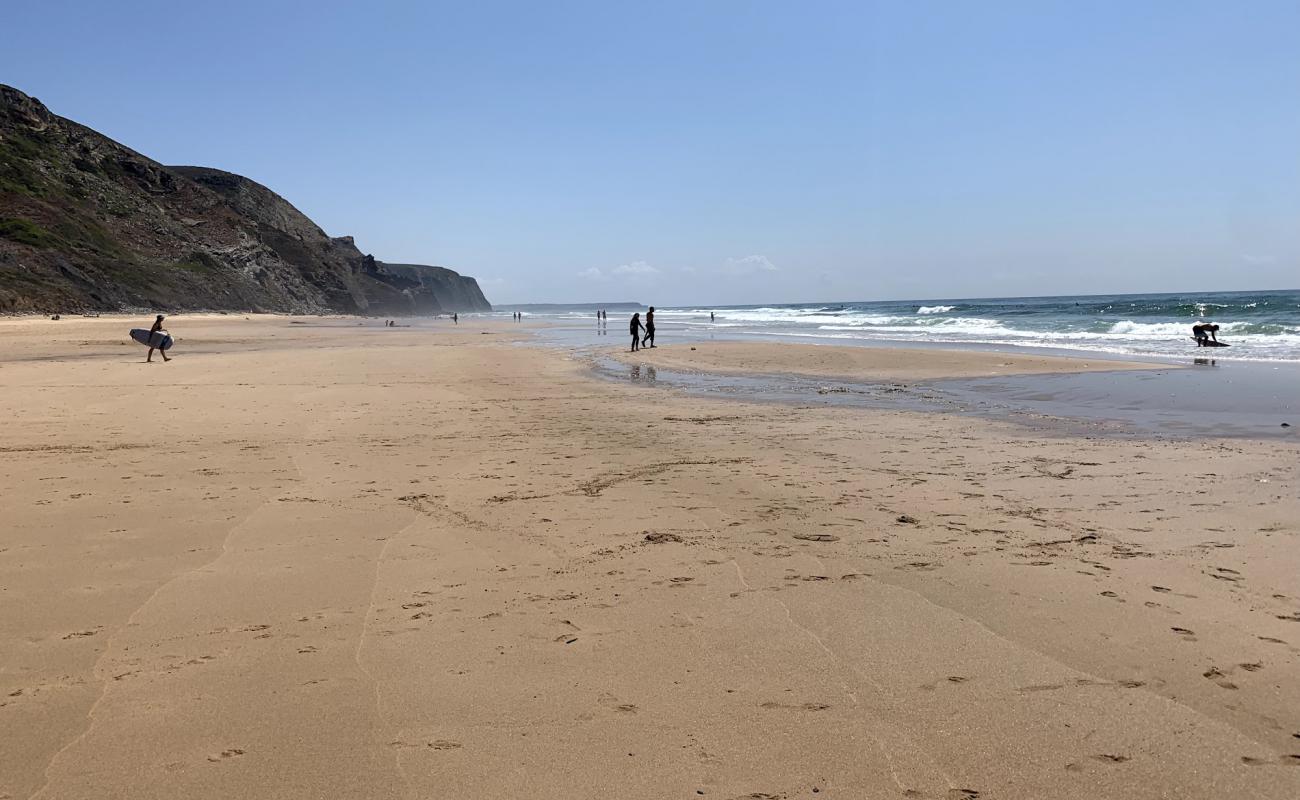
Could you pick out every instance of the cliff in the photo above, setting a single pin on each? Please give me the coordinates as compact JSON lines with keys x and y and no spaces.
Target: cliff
{"x":455,"y":292}
{"x":87,"y":224}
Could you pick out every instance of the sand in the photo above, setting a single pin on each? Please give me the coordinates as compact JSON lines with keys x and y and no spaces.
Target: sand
{"x":323,"y":560}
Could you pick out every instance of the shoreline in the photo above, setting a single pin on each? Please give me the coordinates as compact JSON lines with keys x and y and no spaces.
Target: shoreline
{"x":864,"y":364}
{"x":1070,"y":396}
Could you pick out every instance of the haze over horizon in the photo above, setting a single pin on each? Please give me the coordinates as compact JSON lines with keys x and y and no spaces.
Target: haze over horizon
{"x":732,"y":152}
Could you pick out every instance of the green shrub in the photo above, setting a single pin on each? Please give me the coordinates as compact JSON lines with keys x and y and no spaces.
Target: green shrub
{"x":24,"y":231}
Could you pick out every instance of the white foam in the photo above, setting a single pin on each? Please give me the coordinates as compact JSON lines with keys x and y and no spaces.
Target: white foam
{"x":934,"y":309}
{"x":1165,"y":328}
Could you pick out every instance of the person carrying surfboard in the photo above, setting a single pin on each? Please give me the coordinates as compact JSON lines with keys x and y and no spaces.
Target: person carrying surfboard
{"x":157,"y":326}
{"x":1204,"y":333}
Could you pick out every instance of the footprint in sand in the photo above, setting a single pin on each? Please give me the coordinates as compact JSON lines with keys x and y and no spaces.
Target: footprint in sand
{"x":922,"y":566}
{"x":1219,"y":677}
{"x":1110,"y":758}
{"x":1185,"y":633}
{"x":233,"y":752}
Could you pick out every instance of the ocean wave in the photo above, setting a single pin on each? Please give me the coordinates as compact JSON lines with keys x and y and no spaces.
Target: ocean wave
{"x":935,"y":309}
{"x":1239,"y":328}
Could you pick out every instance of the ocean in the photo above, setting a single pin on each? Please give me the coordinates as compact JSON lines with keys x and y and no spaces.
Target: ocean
{"x":1259,"y":326}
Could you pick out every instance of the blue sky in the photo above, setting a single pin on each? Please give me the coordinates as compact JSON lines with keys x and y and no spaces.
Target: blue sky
{"x":712,"y":152}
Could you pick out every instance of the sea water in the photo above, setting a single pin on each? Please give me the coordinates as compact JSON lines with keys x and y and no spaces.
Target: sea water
{"x":1259,"y":326}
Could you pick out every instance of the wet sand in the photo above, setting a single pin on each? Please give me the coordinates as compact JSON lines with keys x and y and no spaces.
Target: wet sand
{"x":340,"y":561}
{"x":862,"y":363}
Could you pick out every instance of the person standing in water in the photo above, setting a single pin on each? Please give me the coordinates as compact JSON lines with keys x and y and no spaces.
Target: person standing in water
{"x":157,"y":327}
{"x":1204,"y":333}
{"x":649,"y":327}
{"x":635,"y":327}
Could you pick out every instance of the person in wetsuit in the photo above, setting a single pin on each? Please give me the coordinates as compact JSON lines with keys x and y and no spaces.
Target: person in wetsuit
{"x":636,"y":327}
{"x":649,"y":327}
{"x":1204,"y":333}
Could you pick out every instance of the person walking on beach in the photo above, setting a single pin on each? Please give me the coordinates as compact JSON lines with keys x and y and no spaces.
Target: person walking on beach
{"x":649,"y":327}
{"x":636,"y":329}
{"x":710,"y":316}
{"x":455,"y":318}
{"x":157,"y":326}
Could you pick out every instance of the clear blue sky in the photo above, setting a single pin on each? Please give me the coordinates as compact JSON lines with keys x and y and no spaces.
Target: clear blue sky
{"x":711,"y":152}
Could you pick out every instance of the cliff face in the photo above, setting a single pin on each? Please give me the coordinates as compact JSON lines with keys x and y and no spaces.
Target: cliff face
{"x":88,"y":224}
{"x":455,"y":292}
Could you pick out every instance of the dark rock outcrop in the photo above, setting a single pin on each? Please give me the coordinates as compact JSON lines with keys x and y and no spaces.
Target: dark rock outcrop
{"x":87,"y":224}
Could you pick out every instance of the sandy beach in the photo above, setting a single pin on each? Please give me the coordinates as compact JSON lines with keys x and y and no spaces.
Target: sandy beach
{"x":322,"y":558}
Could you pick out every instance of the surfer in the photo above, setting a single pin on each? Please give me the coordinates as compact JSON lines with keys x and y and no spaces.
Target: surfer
{"x":1204,"y":333}
{"x":157,"y":326}
{"x":649,"y":327}
{"x":635,"y":327}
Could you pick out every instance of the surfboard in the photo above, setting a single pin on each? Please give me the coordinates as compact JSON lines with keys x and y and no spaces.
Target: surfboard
{"x":1212,"y":343}
{"x":161,"y":339}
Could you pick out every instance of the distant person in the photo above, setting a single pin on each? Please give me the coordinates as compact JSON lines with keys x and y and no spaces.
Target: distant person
{"x":649,"y":327}
{"x":710,"y":316}
{"x":157,"y":326}
{"x":635,"y":327}
{"x":1204,"y":333}
{"x":455,"y":318}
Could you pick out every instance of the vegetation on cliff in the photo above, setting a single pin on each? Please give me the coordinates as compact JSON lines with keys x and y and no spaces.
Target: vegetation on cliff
{"x":87,"y":224}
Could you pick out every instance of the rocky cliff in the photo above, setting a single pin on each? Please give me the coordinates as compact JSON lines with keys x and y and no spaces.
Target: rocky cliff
{"x":88,"y":224}
{"x":455,"y":292}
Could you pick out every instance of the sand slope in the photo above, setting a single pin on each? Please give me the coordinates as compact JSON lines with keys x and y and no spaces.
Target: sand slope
{"x":309,"y":561}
